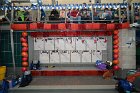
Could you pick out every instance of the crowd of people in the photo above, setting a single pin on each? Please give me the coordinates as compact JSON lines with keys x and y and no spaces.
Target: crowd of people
{"x":84,"y":15}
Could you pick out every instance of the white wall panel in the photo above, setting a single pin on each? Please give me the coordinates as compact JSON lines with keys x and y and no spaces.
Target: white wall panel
{"x":80,"y":43}
{"x":44,"y":56}
{"x":39,"y":43}
{"x":54,"y":57}
{"x":75,"y":56}
{"x":96,"y":55}
{"x":65,"y":56}
{"x":101,"y":43}
{"x":59,"y":43}
{"x":86,"y":56}
{"x":70,"y":43}
{"x":49,"y":43}
{"x":90,"y":44}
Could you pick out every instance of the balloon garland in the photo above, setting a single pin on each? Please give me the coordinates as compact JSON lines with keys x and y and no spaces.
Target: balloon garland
{"x":24,"y":52}
{"x":116,"y":50}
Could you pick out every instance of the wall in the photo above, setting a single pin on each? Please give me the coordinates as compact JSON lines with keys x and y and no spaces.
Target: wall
{"x":127,"y":49}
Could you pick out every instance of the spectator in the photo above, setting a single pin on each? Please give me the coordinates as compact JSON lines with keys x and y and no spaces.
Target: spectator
{"x":62,"y":15}
{"x":54,"y":15}
{"x":137,"y":17}
{"x":95,"y":15}
{"x":27,"y":15}
{"x":68,"y":14}
{"x":85,"y":15}
{"x":123,"y":15}
{"x":43,"y":15}
{"x":116,"y":16}
{"x":75,"y":15}
{"x":106,"y":15}
{"x":34,"y":13}
{"x":20,"y":15}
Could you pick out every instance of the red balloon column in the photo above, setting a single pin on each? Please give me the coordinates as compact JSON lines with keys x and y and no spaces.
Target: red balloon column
{"x":116,"y":50}
{"x":24,"y":51}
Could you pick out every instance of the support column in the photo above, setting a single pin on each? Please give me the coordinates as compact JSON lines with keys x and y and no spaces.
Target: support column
{"x":12,"y":48}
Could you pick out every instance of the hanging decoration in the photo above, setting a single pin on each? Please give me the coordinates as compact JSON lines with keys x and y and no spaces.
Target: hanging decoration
{"x":69,"y":6}
{"x":24,"y":49}
{"x":24,"y":59}
{"x":116,"y":50}
{"x":115,"y":62}
{"x":24,"y":34}
{"x":70,"y":26}
{"x":24,"y":52}
{"x":24,"y":64}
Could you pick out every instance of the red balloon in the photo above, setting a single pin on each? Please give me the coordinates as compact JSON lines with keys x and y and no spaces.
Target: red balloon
{"x":24,"y":54}
{"x":24,"y":59}
{"x":23,"y":40}
{"x":23,"y":69}
{"x":116,"y":51}
{"x":24,"y":34}
{"x":115,"y":46}
{"x":24,"y":44}
{"x":115,"y":37}
{"x":116,"y":56}
{"x":24,"y":64}
{"x":116,"y":67}
{"x":115,"y":62}
{"x":116,"y":32}
{"x":115,"y":42}
{"x":24,"y":49}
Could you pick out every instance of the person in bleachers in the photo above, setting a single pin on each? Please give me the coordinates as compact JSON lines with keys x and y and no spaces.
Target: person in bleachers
{"x":68,"y":15}
{"x":43,"y":15}
{"x":95,"y":15}
{"x":123,"y":15}
{"x":27,"y":15}
{"x":106,"y":15}
{"x":34,"y":13}
{"x":62,"y":15}
{"x":116,"y":16}
{"x":75,"y":16}
{"x":54,"y":15}
{"x":20,"y":15}
{"x":85,"y":14}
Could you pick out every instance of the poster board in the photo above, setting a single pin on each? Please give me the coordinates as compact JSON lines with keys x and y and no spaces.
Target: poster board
{"x":39,"y":43}
{"x":54,"y":56}
{"x":44,"y":57}
{"x":49,"y":43}
{"x":86,"y":56}
{"x":65,"y":56}
{"x":75,"y":56}
{"x":101,"y":43}
{"x":80,"y":43}
{"x":96,"y":55}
